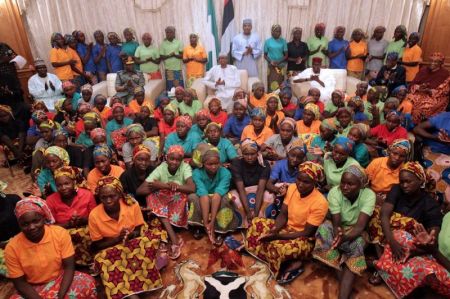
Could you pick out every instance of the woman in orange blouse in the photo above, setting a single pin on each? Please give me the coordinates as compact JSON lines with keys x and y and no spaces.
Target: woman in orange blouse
{"x":256,"y":130}
{"x":194,"y":56}
{"x":412,"y":56}
{"x":356,"y":54}
{"x":285,"y":242}
{"x":40,"y":259}
{"x":119,"y":232}
{"x":310,"y":124}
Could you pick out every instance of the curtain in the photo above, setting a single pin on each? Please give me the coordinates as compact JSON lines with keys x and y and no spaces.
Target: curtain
{"x":44,"y":17}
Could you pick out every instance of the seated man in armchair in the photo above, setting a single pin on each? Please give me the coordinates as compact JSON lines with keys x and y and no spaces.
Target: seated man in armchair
{"x":127,"y":80}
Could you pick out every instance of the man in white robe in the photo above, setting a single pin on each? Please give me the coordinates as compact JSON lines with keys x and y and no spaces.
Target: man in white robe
{"x":224,"y":79}
{"x":44,"y":86}
{"x":246,"y":49}
{"x":318,"y":78}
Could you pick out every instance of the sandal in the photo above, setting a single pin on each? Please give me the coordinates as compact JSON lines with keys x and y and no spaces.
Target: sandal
{"x":175,"y":249}
{"x":291,"y":275}
{"x":375,"y":279}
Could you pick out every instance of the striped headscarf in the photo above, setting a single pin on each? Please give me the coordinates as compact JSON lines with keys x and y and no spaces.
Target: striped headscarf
{"x":141,"y":149}
{"x":74,"y":173}
{"x":185,"y":119}
{"x":314,"y":109}
{"x":359,"y":172}
{"x":34,"y":204}
{"x":102,"y":150}
{"x":296,"y":144}
{"x":346,"y":143}
{"x":92,"y":117}
{"x":175,"y":149}
{"x":401,"y":144}
{"x":110,"y":181}
{"x":415,"y":168}
{"x":313,"y":170}
{"x":289,"y":121}
{"x":58,"y":152}
{"x":249,"y":144}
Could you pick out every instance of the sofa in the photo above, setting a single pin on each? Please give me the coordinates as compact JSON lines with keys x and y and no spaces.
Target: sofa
{"x":204,"y":93}
{"x":153,"y":88}
{"x":343,"y":82}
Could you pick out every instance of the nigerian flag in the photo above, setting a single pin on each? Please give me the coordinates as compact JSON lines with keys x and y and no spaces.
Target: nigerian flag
{"x":212,"y":39}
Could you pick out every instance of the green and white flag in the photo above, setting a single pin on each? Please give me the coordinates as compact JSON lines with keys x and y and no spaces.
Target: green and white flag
{"x":212,"y":38}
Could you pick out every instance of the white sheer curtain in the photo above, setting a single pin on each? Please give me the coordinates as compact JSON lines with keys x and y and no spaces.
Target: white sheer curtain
{"x":42,"y":17}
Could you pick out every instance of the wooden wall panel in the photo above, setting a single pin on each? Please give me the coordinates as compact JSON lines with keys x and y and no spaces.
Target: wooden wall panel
{"x":13,"y":33}
{"x":437,"y":31}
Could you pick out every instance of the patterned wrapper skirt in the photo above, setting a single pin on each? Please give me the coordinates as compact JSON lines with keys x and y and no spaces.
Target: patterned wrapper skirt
{"x":398,"y":221}
{"x":127,"y":269}
{"x":350,"y":253}
{"x":155,"y":75}
{"x":276,"y":252}
{"x":227,"y":218}
{"x":3,"y":269}
{"x":82,"y":287}
{"x":81,"y":241}
{"x":174,"y":79}
{"x":191,"y":78}
{"x":275,"y":76}
{"x":268,"y":206}
{"x":438,"y":166}
{"x":170,"y":205}
{"x":403,"y":278}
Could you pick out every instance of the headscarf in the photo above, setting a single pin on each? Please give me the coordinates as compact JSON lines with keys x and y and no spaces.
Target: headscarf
{"x":8,"y":109}
{"x":296,"y":144}
{"x":306,"y":100}
{"x":53,"y":37}
{"x":173,"y":108}
{"x":249,"y":144}
{"x":295,"y":29}
{"x":215,"y":100}
{"x":58,"y":152}
{"x":117,"y":105}
{"x":340,"y":92}
{"x":359,"y":172}
{"x":74,"y":173}
{"x":92,"y":117}
{"x":378,"y":28}
{"x":36,"y":115}
{"x":58,"y":105}
{"x":438,"y":56}
{"x":244,"y":101}
{"x":135,"y":128}
{"x":110,"y":181}
{"x":392,"y":100}
{"x":290,"y":121}
{"x":59,"y":132}
{"x":192,"y":92}
{"x":415,"y":34}
{"x":48,"y":124}
{"x":87,"y":87}
{"x":131,"y":30}
{"x":258,"y":112}
{"x":67,"y":84}
{"x":276,"y":97}
{"x":97,"y":132}
{"x":275,"y":27}
{"x":175,"y":149}
{"x":363,"y":129}
{"x":403,"y":30}
{"x":320,"y":26}
{"x":34,"y":204}
{"x":401,"y":144}
{"x":213,"y":124}
{"x":313,"y":170}
{"x":415,"y":168}
{"x":314,"y":109}
{"x":199,"y":153}
{"x":392,"y":56}
{"x":203,"y":112}
{"x":83,"y":106}
{"x":346,"y":143}
{"x":179,"y":88}
{"x":344,"y":110}
{"x":363,"y":36}
{"x":393,"y":113}
{"x":68,"y":38}
{"x":141,"y":149}
{"x":257,"y":85}
{"x":185,"y":119}
{"x":329,"y":123}
{"x":287,"y":91}
{"x":113,"y":34}
{"x":102,"y":150}
{"x":338,"y":28}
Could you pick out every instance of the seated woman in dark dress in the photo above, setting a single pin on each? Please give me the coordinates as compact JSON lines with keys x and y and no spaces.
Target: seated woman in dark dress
{"x":12,"y":133}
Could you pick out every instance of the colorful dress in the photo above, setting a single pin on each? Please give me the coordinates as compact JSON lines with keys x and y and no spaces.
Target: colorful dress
{"x":169,"y":204}
{"x":311,"y":209}
{"x":418,"y":271}
{"x":351,"y":252}
{"x":194,"y":69}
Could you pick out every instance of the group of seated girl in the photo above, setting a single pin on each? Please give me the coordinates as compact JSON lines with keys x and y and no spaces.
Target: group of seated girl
{"x":299,"y":178}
